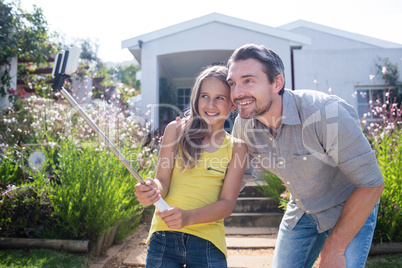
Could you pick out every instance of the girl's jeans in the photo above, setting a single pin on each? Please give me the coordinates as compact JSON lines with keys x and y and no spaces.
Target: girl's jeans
{"x":301,"y":246}
{"x":170,"y":249}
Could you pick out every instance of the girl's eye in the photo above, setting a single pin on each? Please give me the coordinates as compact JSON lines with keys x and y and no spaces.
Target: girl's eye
{"x":220,"y":98}
{"x":204,"y":96}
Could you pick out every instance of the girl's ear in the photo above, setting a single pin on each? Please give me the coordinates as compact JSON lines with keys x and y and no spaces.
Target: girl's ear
{"x":232,"y":107}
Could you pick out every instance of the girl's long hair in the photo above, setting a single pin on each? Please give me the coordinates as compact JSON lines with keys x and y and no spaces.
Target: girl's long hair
{"x":195,"y":128}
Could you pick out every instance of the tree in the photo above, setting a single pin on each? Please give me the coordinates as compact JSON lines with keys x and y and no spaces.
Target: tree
{"x":390,"y":75}
{"x":23,"y":35}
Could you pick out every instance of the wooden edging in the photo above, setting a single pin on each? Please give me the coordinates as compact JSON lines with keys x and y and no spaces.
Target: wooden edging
{"x":58,"y":244}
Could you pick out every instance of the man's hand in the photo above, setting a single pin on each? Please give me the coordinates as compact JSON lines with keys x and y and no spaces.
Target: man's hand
{"x":331,"y":257}
{"x":147,"y":193}
{"x":175,"y":218}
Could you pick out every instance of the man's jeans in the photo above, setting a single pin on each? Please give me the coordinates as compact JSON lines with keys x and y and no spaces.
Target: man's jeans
{"x":301,"y":246}
{"x":170,"y":249}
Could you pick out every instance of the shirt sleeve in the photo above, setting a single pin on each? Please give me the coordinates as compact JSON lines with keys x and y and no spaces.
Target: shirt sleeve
{"x":345,"y":143}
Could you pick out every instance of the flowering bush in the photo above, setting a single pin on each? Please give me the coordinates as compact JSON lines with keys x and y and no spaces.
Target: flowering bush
{"x":382,"y":125}
{"x":385,"y":136}
{"x":88,"y":189}
{"x":389,"y":155}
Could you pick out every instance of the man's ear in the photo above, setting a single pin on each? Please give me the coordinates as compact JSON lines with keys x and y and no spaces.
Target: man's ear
{"x":233,"y":107}
{"x":278,"y":83}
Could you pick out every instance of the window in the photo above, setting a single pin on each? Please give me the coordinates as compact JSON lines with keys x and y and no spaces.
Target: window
{"x":183,"y":98}
{"x":372,"y":100}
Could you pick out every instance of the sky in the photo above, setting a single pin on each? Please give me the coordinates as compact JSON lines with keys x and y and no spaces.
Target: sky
{"x":110,"y":22}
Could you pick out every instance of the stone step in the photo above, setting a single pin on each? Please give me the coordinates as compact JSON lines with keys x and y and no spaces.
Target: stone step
{"x":250,"y":242}
{"x":253,"y":231}
{"x":251,"y":190}
{"x":256,"y":204}
{"x":261,"y":219}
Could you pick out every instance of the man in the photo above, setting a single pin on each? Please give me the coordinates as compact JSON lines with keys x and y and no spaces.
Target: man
{"x":314,"y":143}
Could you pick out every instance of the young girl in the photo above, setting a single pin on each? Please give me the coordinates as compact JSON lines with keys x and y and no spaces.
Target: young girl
{"x":199,"y":174}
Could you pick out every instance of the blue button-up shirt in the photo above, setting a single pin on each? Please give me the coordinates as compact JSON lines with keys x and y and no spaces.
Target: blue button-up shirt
{"x":319,"y":152}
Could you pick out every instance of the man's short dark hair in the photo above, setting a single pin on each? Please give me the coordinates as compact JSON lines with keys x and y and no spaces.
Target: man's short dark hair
{"x":272,"y":63}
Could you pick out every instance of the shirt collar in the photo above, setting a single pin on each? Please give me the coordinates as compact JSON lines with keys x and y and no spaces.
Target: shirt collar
{"x":290,"y":114}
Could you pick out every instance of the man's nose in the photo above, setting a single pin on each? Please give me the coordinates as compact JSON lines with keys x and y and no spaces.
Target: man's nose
{"x":237,"y":91}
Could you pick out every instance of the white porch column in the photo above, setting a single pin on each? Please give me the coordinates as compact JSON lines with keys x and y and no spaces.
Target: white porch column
{"x":4,"y":103}
{"x":150,"y":88}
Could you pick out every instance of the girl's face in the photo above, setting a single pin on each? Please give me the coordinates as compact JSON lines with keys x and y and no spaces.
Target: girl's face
{"x":214,"y":103}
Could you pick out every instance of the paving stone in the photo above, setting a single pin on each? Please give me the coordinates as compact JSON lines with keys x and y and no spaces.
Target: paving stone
{"x":245,"y":261}
{"x":102,"y":260}
{"x":136,"y":258}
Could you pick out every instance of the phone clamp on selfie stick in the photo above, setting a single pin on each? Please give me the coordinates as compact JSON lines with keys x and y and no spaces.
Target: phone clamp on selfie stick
{"x":65,"y":64}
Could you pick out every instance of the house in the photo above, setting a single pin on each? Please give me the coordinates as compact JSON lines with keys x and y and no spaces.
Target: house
{"x":343,"y":63}
{"x":315,"y":57}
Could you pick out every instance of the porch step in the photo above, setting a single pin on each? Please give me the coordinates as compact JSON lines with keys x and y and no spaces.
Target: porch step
{"x":256,"y":204}
{"x":256,"y":219}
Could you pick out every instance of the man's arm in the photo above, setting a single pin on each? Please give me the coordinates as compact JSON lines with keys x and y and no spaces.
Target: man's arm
{"x":357,"y":208}
{"x":357,"y":161}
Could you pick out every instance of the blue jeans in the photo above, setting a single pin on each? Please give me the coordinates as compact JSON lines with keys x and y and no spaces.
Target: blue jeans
{"x":170,"y":249}
{"x":301,"y":246}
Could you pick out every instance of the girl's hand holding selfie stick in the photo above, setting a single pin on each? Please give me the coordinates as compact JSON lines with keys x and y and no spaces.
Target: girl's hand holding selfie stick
{"x":65,"y":64}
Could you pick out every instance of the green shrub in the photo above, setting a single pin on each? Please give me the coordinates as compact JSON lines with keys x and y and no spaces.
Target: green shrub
{"x":25,"y":212}
{"x":274,"y":188}
{"x":389,"y":156}
{"x":91,"y":190}
{"x":11,"y":172}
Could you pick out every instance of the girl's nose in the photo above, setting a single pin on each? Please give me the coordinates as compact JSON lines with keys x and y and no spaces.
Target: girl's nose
{"x":211,"y":103}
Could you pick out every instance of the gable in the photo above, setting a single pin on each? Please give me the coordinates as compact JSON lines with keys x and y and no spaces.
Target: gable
{"x":324,"y":37}
{"x":213,"y":31}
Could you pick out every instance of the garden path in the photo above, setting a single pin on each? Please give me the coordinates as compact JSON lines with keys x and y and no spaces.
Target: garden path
{"x":247,"y":247}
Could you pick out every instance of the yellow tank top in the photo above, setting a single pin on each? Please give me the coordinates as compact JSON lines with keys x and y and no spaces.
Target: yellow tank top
{"x":196,"y":188}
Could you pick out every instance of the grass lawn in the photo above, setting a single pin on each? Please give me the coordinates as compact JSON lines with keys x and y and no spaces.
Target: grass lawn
{"x":42,"y":258}
{"x":384,"y":261}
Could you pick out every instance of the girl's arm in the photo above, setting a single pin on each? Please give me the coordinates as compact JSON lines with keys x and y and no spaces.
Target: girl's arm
{"x":153,"y":189}
{"x":176,"y":218}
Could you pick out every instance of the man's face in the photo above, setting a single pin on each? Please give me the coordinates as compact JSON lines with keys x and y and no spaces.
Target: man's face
{"x":250,"y":90}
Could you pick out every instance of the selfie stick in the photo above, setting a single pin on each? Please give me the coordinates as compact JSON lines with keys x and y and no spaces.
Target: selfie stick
{"x":65,"y":64}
